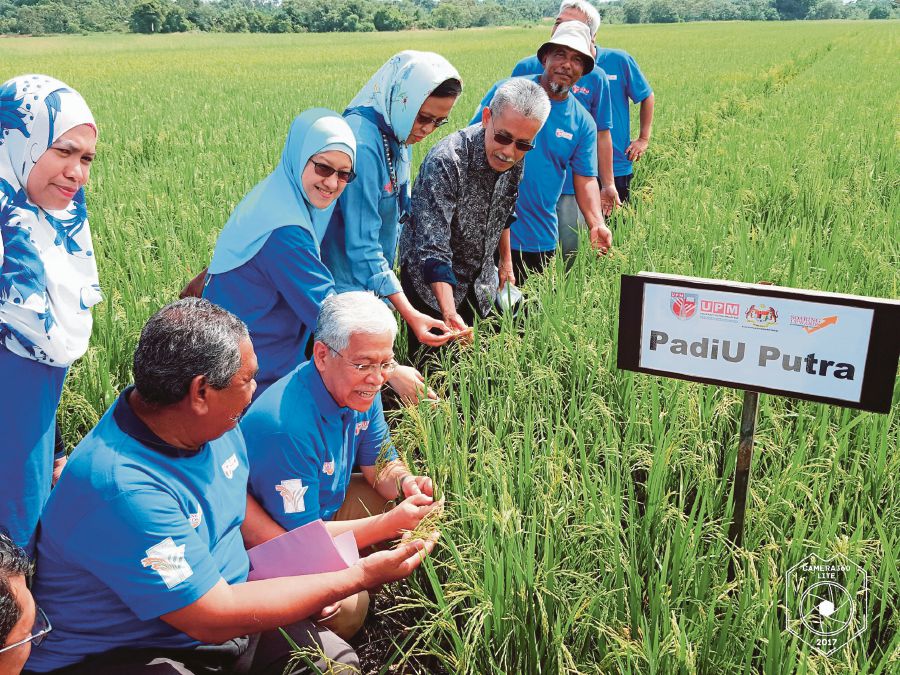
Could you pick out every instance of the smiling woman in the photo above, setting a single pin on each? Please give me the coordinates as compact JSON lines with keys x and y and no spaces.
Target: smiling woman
{"x":48,"y":279}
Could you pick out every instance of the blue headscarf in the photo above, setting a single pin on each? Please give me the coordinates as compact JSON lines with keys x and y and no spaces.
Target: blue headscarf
{"x":48,"y":274}
{"x":394,"y":94}
{"x":279,"y":200}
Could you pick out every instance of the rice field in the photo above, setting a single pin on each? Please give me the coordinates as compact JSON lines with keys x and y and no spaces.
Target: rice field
{"x":588,"y":507}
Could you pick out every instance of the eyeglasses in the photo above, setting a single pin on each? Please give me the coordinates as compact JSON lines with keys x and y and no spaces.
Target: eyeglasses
{"x":367,"y":369}
{"x":428,"y":119}
{"x":326,"y":171}
{"x":504,"y":139}
{"x":38,"y":631}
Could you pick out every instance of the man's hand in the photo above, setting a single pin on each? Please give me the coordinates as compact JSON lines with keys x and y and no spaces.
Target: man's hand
{"x":460,"y":331}
{"x":58,"y":466}
{"x":636,"y":149}
{"x":416,"y":485}
{"x":609,"y":199}
{"x":410,"y":385}
{"x":383,"y":567}
{"x":407,"y":514}
{"x":601,"y":238}
{"x":421,"y":324}
{"x":506,"y":274}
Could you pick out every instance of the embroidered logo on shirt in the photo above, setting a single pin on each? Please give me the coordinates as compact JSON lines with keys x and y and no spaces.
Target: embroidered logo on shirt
{"x":361,"y":426}
{"x":229,"y":465}
{"x":168,"y":559}
{"x":292,"y":492}
{"x":580,"y":90}
{"x":388,"y":187}
{"x":195,"y":518}
{"x":612,"y":77}
{"x":328,"y":468}
{"x":563,"y":134}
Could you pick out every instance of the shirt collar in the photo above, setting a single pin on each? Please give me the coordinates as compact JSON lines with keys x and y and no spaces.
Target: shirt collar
{"x":324,"y":401}
{"x":131,"y":424}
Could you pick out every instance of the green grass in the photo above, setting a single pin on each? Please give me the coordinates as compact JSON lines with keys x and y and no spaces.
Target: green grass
{"x":587,"y":507}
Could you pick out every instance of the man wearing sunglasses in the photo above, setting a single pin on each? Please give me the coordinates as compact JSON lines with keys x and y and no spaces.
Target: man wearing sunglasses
{"x":566,"y":142}
{"x":462,"y":203}
{"x":23,"y":624}
{"x":307,"y":431}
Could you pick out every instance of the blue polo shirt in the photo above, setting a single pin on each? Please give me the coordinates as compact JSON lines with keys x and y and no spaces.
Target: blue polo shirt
{"x":626,"y":82}
{"x":135,"y":529}
{"x":277,"y":293}
{"x":302,"y":447}
{"x":592,"y":91}
{"x":567,"y":139}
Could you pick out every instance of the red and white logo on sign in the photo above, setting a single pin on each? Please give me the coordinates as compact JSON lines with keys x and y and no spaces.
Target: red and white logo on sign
{"x":727,"y":310}
{"x":684,"y":305}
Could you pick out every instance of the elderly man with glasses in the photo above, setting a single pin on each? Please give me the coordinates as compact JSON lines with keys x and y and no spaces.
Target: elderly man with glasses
{"x":462,"y":203}
{"x":307,"y":431}
{"x":23,"y":624}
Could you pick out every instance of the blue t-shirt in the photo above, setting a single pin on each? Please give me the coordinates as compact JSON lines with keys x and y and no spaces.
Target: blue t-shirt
{"x":360,"y":244}
{"x":626,"y":81}
{"x":135,"y":529}
{"x":592,"y":91}
{"x":277,"y":293}
{"x":568,"y":138}
{"x":302,"y":447}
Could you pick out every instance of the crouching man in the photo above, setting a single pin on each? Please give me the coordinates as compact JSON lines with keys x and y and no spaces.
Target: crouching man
{"x":308,"y":430}
{"x":142,"y":565}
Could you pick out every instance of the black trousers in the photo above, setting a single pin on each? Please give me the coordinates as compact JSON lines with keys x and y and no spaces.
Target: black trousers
{"x":623,"y":186}
{"x":265,"y":653}
{"x":525,"y":262}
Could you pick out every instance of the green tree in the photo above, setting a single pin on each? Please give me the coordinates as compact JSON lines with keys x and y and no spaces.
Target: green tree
{"x":390,"y":18}
{"x":661,"y":11}
{"x":827,"y":9}
{"x":148,"y":17}
{"x":633,"y":11}
{"x":176,"y":21}
{"x":880,"y":12}
{"x":793,"y":9}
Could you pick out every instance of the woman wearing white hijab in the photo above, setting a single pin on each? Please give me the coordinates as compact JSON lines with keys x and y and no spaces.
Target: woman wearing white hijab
{"x":48,"y":280}
{"x":405,"y":101}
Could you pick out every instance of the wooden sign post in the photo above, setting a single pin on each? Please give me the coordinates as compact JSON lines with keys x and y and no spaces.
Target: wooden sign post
{"x":825,"y":347}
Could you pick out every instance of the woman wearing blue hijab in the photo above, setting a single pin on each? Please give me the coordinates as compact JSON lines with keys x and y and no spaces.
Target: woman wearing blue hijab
{"x":266,"y":268}
{"x":405,"y":101}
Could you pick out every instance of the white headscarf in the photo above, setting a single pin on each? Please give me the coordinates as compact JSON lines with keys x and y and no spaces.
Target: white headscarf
{"x":48,"y":273}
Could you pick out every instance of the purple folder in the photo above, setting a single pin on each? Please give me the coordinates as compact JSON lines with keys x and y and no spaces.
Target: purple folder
{"x":309,"y":549}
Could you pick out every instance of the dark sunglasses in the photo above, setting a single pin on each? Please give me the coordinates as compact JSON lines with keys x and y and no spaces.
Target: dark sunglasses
{"x":326,"y":171}
{"x":428,"y":119}
{"x":503,"y":139}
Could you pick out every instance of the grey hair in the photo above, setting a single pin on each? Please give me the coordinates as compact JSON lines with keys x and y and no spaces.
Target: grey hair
{"x":586,"y":8}
{"x":344,"y":314}
{"x":524,"y":96}
{"x":184,"y":339}
{"x":14,"y":562}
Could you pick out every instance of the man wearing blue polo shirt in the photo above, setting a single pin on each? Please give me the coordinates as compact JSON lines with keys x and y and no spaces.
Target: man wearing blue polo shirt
{"x":568,"y":140}
{"x":141,"y":560}
{"x":592,"y":91}
{"x":306,"y":432}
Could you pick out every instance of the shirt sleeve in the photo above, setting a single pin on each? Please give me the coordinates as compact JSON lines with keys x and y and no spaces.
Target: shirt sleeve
{"x":148,"y":554}
{"x":485,"y":102}
{"x":285,"y":479}
{"x":584,"y":159}
{"x":604,"y":116}
{"x":434,"y":203}
{"x":638,"y":88}
{"x":376,"y":437}
{"x":292,"y":261}
{"x":359,"y":205}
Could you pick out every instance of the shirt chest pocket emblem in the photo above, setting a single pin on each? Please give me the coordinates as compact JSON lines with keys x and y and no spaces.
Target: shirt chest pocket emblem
{"x":196,"y":518}
{"x":229,"y":465}
{"x":328,"y":468}
{"x":361,"y":426}
{"x":563,"y":134}
{"x":612,"y":77}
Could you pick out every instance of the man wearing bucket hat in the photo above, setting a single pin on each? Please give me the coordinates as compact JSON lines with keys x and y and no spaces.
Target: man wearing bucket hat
{"x":568,"y":140}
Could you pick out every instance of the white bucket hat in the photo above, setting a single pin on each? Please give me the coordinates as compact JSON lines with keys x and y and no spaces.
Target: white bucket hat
{"x":574,"y":35}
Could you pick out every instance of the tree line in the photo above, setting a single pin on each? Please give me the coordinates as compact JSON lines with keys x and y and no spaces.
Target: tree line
{"x":39,"y":17}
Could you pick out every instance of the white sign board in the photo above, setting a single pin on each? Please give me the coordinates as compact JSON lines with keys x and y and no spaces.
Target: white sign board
{"x":785,"y":341}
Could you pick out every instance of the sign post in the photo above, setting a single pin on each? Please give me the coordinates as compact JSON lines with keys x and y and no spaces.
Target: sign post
{"x":825,"y":347}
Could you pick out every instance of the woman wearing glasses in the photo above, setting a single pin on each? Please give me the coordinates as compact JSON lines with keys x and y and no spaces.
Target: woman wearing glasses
{"x":406,"y":100}
{"x":266,"y":267}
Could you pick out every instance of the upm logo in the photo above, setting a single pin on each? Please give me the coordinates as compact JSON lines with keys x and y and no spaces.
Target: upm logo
{"x":716,"y":308}
{"x":683,"y":305}
{"x":563,"y":134}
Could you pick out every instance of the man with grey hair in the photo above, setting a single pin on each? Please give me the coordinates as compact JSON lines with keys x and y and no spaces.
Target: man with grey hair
{"x":307,"y":431}
{"x":462,"y":203}
{"x":141,"y":558}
